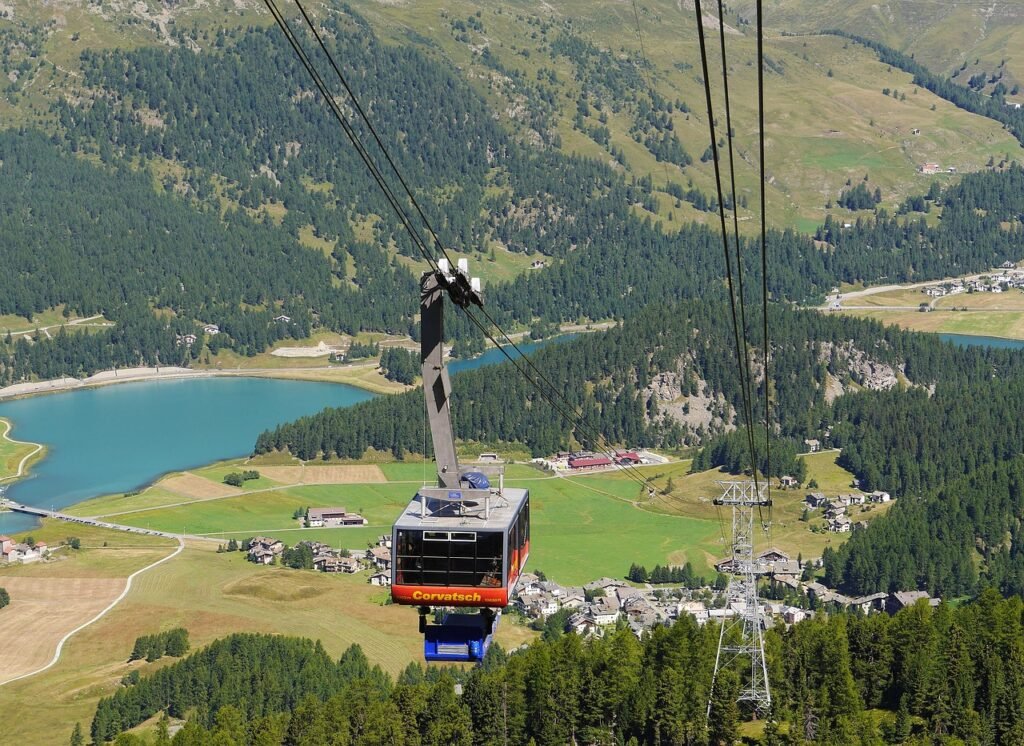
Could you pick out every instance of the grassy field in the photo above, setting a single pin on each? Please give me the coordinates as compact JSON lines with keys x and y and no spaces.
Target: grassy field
{"x":572,"y":517}
{"x":232,"y":596}
{"x":50,"y":599}
{"x":692,"y":496}
{"x":584,"y":526}
{"x":941,"y":36}
{"x":1008,"y":324}
{"x":12,"y":452}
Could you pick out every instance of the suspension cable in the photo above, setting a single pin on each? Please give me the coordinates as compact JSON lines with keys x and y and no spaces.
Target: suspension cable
{"x":349,"y":131}
{"x":412,"y":198}
{"x":575,"y":418}
{"x":739,"y":262}
{"x":744,"y":390}
{"x":764,"y":249}
{"x":373,"y":131}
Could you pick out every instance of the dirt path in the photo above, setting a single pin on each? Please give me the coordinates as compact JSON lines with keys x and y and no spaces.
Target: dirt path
{"x":25,"y":460}
{"x":73,"y":322}
{"x":97,"y":617}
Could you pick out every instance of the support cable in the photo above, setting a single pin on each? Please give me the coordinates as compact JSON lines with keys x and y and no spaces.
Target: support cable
{"x":764,"y":248}
{"x":737,"y":249}
{"x":366,"y":120}
{"x":349,"y":131}
{"x":576,"y":418}
{"x":744,"y":389}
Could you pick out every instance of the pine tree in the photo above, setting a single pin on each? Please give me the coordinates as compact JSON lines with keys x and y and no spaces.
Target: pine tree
{"x":724,"y":717}
{"x":77,"y":739}
{"x":163,"y":731}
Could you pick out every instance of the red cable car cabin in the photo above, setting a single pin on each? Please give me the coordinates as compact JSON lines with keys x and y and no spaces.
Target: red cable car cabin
{"x":460,"y":552}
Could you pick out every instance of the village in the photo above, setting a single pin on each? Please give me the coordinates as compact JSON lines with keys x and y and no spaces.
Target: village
{"x":24,"y":552}
{"x":792,"y":592}
{"x":1010,"y":277}
{"x":835,"y":510}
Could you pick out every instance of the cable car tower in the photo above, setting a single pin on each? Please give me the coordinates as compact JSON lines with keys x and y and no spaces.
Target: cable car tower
{"x":742,"y":635}
{"x":464,"y":542}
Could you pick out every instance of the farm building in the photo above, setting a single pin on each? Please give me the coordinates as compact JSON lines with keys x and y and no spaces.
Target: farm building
{"x":332,"y":517}
{"x":589,"y":462}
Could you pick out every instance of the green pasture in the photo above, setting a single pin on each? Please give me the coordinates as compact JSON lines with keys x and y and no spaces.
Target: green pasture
{"x":583,"y":527}
{"x":1008,"y":324}
{"x":107,"y":505}
{"x":103,"y":553}
{"x":265,"y":512}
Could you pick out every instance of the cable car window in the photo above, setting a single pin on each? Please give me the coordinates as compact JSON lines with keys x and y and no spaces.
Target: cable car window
{"x":442,"y":558}
{"x":489,"y":566}
{"x":409,"y":557}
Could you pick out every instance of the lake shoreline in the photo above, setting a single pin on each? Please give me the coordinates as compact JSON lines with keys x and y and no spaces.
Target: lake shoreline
{"x":38,"y":453}
{"x":134,"y":375}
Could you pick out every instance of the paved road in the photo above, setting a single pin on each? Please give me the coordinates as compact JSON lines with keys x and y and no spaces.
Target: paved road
{"x":57,"y":515}
{"x":832,"y":302}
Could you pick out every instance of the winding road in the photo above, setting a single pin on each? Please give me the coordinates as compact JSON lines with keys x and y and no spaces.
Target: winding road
{"x":100,"y":615}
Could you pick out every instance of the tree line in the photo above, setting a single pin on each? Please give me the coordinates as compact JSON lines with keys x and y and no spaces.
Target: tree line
{"x":943,"y":673}
{"x":609,"y":378}
{"x":173,"y":642}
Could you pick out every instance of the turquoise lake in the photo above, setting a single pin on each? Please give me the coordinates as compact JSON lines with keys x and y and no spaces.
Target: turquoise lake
{"x":121,"y":437}
{"x":973,"y":340}
{"x":118,"y":438}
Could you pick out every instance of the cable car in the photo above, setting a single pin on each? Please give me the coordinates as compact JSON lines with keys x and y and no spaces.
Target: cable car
{"x":463,"y":543}
{"x":460,"y":552}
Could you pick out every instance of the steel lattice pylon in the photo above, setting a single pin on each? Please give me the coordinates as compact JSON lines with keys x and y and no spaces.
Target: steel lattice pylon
{"x":744,"y":498}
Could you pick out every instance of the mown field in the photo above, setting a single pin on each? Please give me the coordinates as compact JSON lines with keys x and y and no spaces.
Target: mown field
{"x":985,"y":314}
{"x":583,"y":526}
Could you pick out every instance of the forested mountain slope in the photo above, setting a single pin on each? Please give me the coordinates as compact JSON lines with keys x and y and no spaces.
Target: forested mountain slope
{"x":239,"y":195}
{"x":571,"y":79}
{"x":935,"y":425}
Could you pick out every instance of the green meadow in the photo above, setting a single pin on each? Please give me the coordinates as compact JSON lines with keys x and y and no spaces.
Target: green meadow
{"x":583,"y":526}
